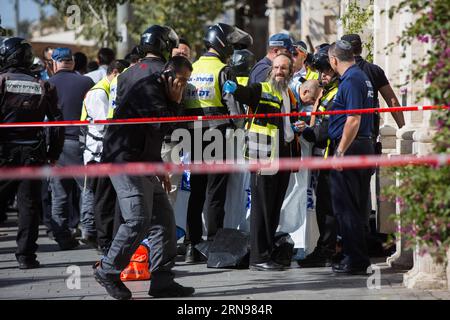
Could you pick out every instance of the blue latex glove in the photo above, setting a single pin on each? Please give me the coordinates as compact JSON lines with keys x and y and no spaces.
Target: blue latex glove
{"x":295,"y":129}
{"x":229,"y":86}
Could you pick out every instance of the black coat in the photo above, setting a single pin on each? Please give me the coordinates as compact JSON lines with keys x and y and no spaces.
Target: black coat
{"x":141,"y":142}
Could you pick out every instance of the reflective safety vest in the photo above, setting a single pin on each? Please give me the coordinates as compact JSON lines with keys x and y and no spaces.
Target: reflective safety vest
{"x":325,"y":104}
{"x":262,"y":136}
{"x":327,"y":99}
{"x":311,"y":75}
{"x":243,"y":81}
{"x":104,"y":85}
{"x":203,"y":94}
{"x":113,"y":95}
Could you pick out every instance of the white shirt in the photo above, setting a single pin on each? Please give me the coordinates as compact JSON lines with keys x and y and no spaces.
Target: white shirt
{"x":97,"y":104}
{"x":286,"y":108}
{"x":98,"y":74}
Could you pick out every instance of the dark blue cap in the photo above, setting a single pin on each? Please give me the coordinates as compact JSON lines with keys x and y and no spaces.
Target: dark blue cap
{"x":281,"y":40}
{"x":62,"y":54}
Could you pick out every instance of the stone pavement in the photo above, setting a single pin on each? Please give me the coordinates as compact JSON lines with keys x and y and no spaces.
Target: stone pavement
{"x":50,"y":281}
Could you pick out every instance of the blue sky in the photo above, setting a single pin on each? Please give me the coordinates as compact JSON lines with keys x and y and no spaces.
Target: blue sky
{"x":28,"y":10}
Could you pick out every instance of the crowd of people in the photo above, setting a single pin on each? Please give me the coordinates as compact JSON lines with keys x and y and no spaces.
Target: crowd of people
{"x":157,"y":79}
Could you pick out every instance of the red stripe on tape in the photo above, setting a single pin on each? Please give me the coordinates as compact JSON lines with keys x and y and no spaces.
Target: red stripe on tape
{"x":218,"y":117}
{"x":284,"y":164}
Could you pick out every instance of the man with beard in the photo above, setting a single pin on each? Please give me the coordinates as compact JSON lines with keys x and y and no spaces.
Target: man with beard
{"x":267,"y":138}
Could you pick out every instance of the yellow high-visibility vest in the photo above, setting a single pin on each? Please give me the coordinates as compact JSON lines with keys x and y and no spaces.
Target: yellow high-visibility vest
{"x":203,"y":94}
{"x":311,"y":75}
{"x":243,"y":81}
{"x":262,"y":135}
{"x":104,"y":85}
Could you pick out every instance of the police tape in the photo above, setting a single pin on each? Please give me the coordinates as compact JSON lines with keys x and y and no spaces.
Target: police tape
{"x":282,"y":164}
{"x":69,"y":123}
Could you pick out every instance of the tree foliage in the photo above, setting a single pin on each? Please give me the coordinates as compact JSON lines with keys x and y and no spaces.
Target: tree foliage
{"x":188,"y":17}
{"x":356,"y":19}
{"x":424,"y":193}
{"x":98,"y":17}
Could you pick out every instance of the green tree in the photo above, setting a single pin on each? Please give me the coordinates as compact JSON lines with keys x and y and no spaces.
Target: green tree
{"x":187,"y":17}
{"x":98,"y":18}
{"x":356,"y":19}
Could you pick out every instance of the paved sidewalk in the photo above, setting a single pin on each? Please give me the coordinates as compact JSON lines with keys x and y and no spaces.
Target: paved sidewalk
{"x":49,"y":281}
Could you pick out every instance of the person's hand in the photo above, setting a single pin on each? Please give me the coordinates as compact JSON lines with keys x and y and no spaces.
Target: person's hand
{"x":174,"y":88}
{"x":338,"y":154}
{"x":229,"y":86}
{"x":300,"y":126}
{"x":166,"y":183}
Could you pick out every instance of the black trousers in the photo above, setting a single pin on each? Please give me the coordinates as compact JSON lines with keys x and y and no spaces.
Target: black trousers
{"x":5,"y":202}
{"x":267,"y":196}
{"x":349,"y":192}
{"x":326,"y":220}
{"x":215,"y":186}
{"x":106,"y":211}
{"x":28,"y":196}
{"x":46,"y":197}
{"x":210,"y":187}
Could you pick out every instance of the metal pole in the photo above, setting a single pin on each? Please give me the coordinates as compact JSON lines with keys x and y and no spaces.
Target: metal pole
{"x":124,"y":41}
{"x":16,"y":17}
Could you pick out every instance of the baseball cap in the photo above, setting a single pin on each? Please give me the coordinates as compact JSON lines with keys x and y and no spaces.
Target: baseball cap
{"x":344,"y":45}
{"x":354,"y":39}
{"x":281,"y":40}
{"x":62,"y":54}
{"x":301,"y":45}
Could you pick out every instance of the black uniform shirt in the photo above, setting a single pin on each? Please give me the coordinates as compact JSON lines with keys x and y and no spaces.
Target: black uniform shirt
{"x":26,"y":99}
{"x":144,"y":68}
{"x":375,"y":74}
{"x":142,"y":142}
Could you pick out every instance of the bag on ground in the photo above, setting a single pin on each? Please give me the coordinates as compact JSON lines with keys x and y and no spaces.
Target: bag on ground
{"x":139,"y":266}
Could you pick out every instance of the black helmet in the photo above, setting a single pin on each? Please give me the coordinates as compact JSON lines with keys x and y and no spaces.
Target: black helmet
{"x":242,"y":62}
{"x":320,"y":60}
{"x":15,"y":52}
{"x":225,"y":38}
{"x":159,"y":40}
{"x":244,"y":42}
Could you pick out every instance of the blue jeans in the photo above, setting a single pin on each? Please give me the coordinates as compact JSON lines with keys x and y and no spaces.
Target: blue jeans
{"x":61,"y":190}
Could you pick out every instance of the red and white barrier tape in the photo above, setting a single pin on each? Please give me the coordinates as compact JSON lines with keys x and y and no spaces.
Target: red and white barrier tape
{"x":208,"y":118}
{"x":284,"y":164}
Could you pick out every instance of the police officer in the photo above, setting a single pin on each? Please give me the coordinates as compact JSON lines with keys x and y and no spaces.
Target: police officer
{"x":23,"y":98}
{"x":204,"y":96}
{"x":317,"y":133}
{"x":350,"y":135}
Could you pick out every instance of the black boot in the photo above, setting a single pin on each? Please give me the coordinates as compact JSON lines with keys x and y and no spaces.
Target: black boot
{"x":192,"y":254}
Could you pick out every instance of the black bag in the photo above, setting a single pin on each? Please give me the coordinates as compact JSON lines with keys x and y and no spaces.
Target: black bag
{"x":230,"y":249}
{"x":283,"y":249}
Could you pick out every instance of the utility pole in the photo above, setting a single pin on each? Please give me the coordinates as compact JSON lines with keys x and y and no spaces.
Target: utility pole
{"x":124,"y":41}
{"x":16,"y":17}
